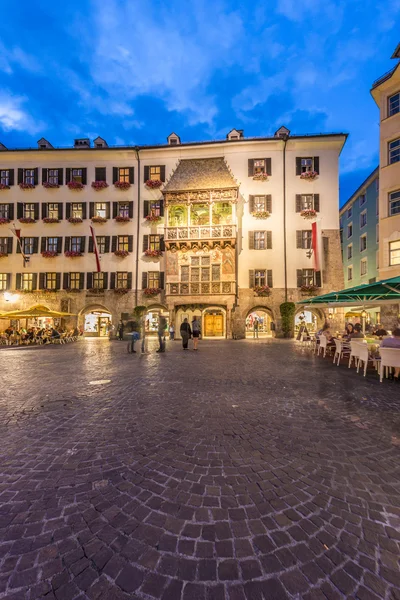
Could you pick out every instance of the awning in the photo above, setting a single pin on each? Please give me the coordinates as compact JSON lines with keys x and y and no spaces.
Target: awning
{"x":387,"y":290}
{"x":35,"y":311}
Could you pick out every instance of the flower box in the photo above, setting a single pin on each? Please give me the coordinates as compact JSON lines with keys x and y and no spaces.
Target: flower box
{"x":153,"y":253}
{"x":309,"y":214}
{"x":4,"y":221}
{"x":151,"y":291}
{"x":99,"y":185}
{"x":262,"y":290}
{"x":95,"y":291}
{"x":75,"y":220}
{"x":121,"y":291}
{"x":50,"y":220}
{"x":48,"y":291}
{"x":49,"y":185}
{"x":121,"y":253}
{"x":99,"y":220}
{"x":27,"y":186}
{"x":73,"y":290}
{"x":309,"y":175}
{"x":153,"y":184}
{"x":4,"y":187}
{"x":26,"y":220}
{"x":72,"y":254}
{"x":121,"y":219}
{"x":309,"y":290}
{"x":49,"y":254}
{"x":122,"y":185}
{"x":26,"y":291}
{"x":75,"y":185}
{"x":3,"y":254}
{"x":153,"y":218}
{"x":260,"y":177}
{"x":261,"y":214}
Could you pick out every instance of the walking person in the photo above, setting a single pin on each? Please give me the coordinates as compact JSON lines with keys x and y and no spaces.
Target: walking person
{"x":186,"y":333}
{"x":255,"y":328}
{"x":162,"y":324}
{"x":120,"y":331}
{"x":196,"y":332}
{"x":171,"y":332}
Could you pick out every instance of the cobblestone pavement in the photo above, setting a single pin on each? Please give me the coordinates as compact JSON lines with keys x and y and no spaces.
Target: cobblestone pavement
{"x":245,"y":471}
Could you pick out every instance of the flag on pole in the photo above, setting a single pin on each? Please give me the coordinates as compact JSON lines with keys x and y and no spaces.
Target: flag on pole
{"x":95,"y":249}
{"x":316,"y":238}
{"x":17,"y":233}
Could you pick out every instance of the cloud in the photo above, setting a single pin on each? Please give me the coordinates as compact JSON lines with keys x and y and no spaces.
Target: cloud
{"x":14,"y":117}
{"x":15,"y":56}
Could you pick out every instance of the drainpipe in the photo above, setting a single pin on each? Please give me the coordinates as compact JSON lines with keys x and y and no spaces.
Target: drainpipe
{"x":284,"y":217}
{"x":137,"y":150}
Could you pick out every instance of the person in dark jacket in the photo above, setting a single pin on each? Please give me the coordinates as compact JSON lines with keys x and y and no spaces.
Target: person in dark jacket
{"x":186,"y":333}
{"x":120,"y":331}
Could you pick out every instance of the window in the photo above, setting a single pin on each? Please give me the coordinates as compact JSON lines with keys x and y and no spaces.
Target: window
{"x":363,"y":219}
{"x":28,"y":245}
{"x":52,"y":176}
{"x":377,"y":204}
{"x":259,"y":166}
{"x":74,"y":279}
{"x":98,"y":281}
{"x":308,"y":277}
{"x":155,"y":208}
{"x":260,"y":203}
{"x":394,"y":151}
{"x":76,"y":244}
{"x":362,"y":199}
{"x":122,"y":280}
{"x":363,"y":267}
{"x":349,"y":273}
{"x":51,"y":244}
{"x":123,"y":242}
{"x":260,"y":277}
{"x":77,"y":175}
{"x":306,"y":239}
{"x":394,"y":104}
{"x":307,"y":164}
{"x":77,"y":210}
{"x":123,"y":209}
{"x":394,"y":203}
{"x":29,"y":211}
{"x":363,"y":243}
{"x":5,"y":177}
{"x":27,"y":281}
{"x":216,"y":273}
{"x":4,"y":211}
{"x":349,"y":230}
{"x":307,"y":201}
{"x":29,"y":176}
{"x":51,"y":281}
{"x":155,"y":173}
{"x":259,"y":240}
{"x":100,"y":209}
{"x":123,"y":174}
{"x":154,"y":242}
{"x":101,"y":243}
{"x":185,"y":273}
{"x":394,"y":253}
{"x":3,"y":245}
{"x":349,"y":212}
{"x":153,"y":279}
{"x":3,"y":281}
{"x":377,"y":232}
{"x":52,"y":211}
{"x":349,"y":251}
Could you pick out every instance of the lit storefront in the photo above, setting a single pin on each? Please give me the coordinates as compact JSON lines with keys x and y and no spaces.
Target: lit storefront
{"x":97,"y":324}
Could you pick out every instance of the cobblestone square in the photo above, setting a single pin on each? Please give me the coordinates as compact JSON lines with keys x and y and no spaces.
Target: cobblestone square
{"x":245,"y":471}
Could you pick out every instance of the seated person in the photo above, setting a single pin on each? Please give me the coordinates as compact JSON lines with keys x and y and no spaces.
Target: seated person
{"x":357,"y":332}
{"x":55,"y":333}
{"x":380,"y":331}
{"x":349,"y":331}
{"x":393,"y":342}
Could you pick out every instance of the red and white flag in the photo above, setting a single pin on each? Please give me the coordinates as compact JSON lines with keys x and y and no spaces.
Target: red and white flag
{"x":17,"y":233}
{"x":316,"y":240}
{"x":95,"y":249}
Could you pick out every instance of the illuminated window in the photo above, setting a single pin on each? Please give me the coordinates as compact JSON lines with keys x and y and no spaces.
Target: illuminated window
{"x":307,"y":201}
{"x":153,"y":279}
{"x":74,"y":281}
{"x":155,"y":208}
{"x":259,"y":240}
{"x":98,"y":281}
{"x":27,"y":281}
{"x":308,"y":277}
{"x":100,"y":209}
{"x":52,"y":211}
{"x":29,"y":211}
{"x":122,"y":280}
{"x":3,"y":281}
{"x":394,"y":253}
{"x":154,"y":242}
{"x":123,"y":174}
{"x":77,"y":210}
{"x":155,"y":173}
{"x":123,"y":243}
{"x":101,"y":242}
{"x":51,"y":281}
{"x":260,"y":203}
{"x":260,"y":277}
{"x":259,"y":166}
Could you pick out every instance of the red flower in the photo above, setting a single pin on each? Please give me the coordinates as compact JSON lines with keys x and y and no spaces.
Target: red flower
{"x":122,"y":185}
{"x":99,"y":185}
{"x":153,"y":184}
{"x":75,"y":185}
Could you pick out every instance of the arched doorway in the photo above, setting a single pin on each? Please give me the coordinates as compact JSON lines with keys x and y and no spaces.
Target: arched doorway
{"x":258,"y":322}
{"x":306,"y":319}
{"x":96,"y":320}
{"x":152,"y":318}
{"x":214,"y":322}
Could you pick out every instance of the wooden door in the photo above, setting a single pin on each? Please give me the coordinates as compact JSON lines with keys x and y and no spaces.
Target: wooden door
{"x":214,"y":325}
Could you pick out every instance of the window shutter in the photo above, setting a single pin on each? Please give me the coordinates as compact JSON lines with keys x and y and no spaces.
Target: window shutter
{"x":298,"y":203}
{"x":268,"y":203}
{"x":129,"y":281}
{"x":35,"y":245}
{"x":9,"y":281}
{"x":251,"y":278}
{"x":146,"y":174}
{"x":60,"y":211}
{"x":251,"y":240}
{"x":91,"y":210}
{"x":130,"y":243}
{"x":112,"y":281}
{"x":299,"y":239}
{"x":115,"y":174}
{"x":107,"y":244}
{"x":100,"y":174}
{"x":144,"y":280}
{"x":81,"y":281}
{"x":162,"y":243}
{"x":83,"y":240}
{"x":18,"y":281}
{"x":44,"y":210}
{"x":44,"y":175}
{"x":19,"y":244}
{"x":269,"y":240}
{"x":20,"y":210}
{"x":67,"y":175}
{"x":162,"y":278}
{"x":161,"y":208}
{"x":59,"y":245}
{"x":66,"y":281}
{"x":34,"y":281}
{"x":42,"y":281}
{"x":84,"y":176}
{"x":250,"y":167}
{"x":84,"y":211}
{"x":35,"y":176}
{"x":9,"y":245}
{"x":90,"y":249}
{"x":36,"y":211}
{"x":318,"y":278}
{"x":89,"y":281}
{"x":131,"y":175}
{"x":115,"y":209}
{"x":299,"y":277}
{"x":11,"y":177}
{"x":316,"y":164}
{"x":251,"y":204}
{"x":11,"y":211}
{"x":268,"y":166}
{"x":131,"y":210}
{"x":162,"y":172}
{"x":269,"y":278}
{"x":43,"y":244}
{"x":58,"y":281}
{"x":316,"y":202}
{"x":114,"y":243}
{"x":145,"y":243}
{"x":146,"y":208}
{"x":67,"y":244}
{"x":107,"y":210}
{"x":298,"y":165}
{"x":20,"y":176}
{"x":68,"y":210}
{"x":105,"y":281}
{"x":60,"y":176}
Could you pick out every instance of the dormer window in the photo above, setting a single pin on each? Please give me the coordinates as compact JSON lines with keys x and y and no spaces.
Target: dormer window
{"x":100,"y":143}
{"x":235,"y":134}
{"x":82,"y":143}
{"x":173,"y":139}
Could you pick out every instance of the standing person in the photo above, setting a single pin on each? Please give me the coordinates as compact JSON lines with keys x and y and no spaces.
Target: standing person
{"x":186,"y":333}
{"x":255,"y":328}
{"x":162,"y":324}
{"x":196,"y":332}
{"x":171,"y":332}
{"x":120,"y":331}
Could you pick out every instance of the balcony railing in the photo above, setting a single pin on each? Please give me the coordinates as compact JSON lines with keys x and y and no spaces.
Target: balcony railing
{"x":194,"y":289}
{"x":200,"y":232}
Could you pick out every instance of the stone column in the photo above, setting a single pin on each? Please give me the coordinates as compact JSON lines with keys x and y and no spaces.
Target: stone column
{"x":390,"y":316}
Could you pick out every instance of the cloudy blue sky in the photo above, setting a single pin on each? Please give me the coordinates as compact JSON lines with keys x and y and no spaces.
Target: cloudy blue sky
{"x":135,"y":70}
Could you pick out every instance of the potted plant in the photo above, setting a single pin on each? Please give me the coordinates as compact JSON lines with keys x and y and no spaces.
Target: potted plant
{"x":309,"y":175}
{"x":75,"y":220}
{"x":121,"y":291}
{"x":153,"y":184}
{"x":99,"y":220}
{"x":4,"y":221}
{"x":49,"y":254}
{"x":260,"y":177}
{"x":121,"y":253}
{"x":149,"y":292}
{"x":72,"y":254}
{"x":99,"y":185}
{"x":3,"y":254}
{"x":121,"y":219}
{"x":26,"y":220}
{"x":50,"y":220}
{"x":3,"y":186}
{"x":27,"y":186}
{"x":261,"y":214}
{"x":308,"y":290}
{"x":262,"y":290}
{"x":152,"y":218}
{"x":122,"y":185}
{"x":75,"y":185}
{"x":49,"y":185}
{"x":153,"y":253}
{"x":308,"y":213}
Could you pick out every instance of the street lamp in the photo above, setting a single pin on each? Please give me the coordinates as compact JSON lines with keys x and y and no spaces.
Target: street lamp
{"x":363,"y":319}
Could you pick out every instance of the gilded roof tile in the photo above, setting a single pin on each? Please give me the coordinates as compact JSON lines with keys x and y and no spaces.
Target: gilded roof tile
{"x":201,"y":174}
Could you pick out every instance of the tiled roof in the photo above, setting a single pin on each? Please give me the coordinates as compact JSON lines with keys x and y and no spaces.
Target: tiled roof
{"x":201,"y":174}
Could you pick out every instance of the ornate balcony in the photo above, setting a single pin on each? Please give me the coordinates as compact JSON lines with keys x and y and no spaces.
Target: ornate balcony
{"x":200,"y":232}
{"x":200,"y":288}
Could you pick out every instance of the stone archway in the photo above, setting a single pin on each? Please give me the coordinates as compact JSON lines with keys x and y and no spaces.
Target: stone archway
{"x":95,"y":319}
{"x":313,"y":318}
{"x":258,"y":322}
{"x":152,"y":315}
